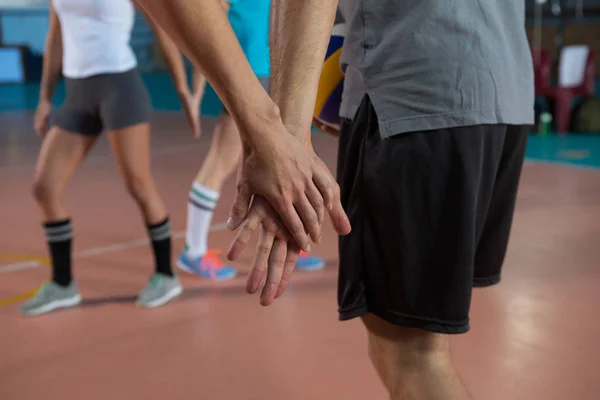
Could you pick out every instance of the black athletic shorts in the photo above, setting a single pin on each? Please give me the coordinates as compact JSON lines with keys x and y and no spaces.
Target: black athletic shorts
{"x":431,"y":214}
{"x":103,"y":102}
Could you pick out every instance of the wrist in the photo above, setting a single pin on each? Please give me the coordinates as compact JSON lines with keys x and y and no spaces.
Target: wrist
{"x":44,"y":101}
{"x":256,"y":117}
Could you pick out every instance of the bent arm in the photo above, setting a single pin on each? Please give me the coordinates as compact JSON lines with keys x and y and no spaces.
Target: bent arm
{"x":53,"y":53}
{"x":173,"y":57}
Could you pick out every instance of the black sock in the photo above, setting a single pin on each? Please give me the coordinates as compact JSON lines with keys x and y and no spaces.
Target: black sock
{"x":59,"y":235}
{"x":160,"y":236}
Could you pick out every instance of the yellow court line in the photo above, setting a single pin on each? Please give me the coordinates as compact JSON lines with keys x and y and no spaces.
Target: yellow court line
{"x":21,"y":257}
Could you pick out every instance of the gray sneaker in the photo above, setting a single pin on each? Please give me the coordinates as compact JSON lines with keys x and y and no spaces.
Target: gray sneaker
{"x":159,"y":291}
{"x":51,"y":297}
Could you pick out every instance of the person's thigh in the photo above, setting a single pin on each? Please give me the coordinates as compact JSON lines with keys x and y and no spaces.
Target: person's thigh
{"x":131,"y":147}
{"x":79,"y":113}
{"x":416,"y":203}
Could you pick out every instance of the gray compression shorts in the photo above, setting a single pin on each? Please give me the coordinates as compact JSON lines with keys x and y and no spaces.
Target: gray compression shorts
{"x":103,"y":102}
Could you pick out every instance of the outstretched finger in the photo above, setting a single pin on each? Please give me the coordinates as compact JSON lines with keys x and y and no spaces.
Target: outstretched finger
{"x":244,"y":234}
{"x":261,"y":257}
{"x":338,"y":216}
{"x":275,"y":271}
{"x":293,"y":252}
{"x":310,"y":217}
{"x":324,"y":182}
{"x":293,"y":223}
{"x":316,"y":201}
{"x":240,"y":207}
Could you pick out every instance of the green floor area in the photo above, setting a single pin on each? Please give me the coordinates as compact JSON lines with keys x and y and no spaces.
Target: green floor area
{"x":577,"y":150}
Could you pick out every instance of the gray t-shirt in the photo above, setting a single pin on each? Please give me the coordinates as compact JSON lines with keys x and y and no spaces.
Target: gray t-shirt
{"x":435,"y":64}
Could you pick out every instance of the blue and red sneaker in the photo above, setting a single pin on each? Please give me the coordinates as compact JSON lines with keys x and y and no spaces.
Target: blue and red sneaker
{"x":306,"y":262}
{"x":208,"y":266}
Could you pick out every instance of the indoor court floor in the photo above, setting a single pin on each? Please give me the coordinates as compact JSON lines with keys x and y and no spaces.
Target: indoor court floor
{"x":534,"y":336}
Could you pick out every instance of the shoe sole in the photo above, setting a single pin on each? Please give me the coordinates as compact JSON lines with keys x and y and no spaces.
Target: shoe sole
{"x":190,"y":271}
{"x":161,"y":301}
{"x":54,"y":305}
{"x":185,"y":268}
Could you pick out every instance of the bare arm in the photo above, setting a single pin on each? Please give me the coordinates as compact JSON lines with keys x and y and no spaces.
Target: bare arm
{"x":198,"y":80}
{"x":275,"y":164}
{"x":173,"y":57}
{"x":52,"y":58}
{"x":202,"y":31}
{"x":300,"y":32}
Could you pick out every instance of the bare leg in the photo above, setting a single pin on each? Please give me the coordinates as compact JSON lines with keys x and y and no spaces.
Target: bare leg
{"x":220,"y":162}
{"x":61,"y":154}
{"x":413,"y":364}
{"x":223,"y":155}
{"x":131,"y":147}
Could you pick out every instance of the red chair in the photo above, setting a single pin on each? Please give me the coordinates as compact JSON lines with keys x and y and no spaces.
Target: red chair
{"x":542,"y":69}
{"x":563,"y":95}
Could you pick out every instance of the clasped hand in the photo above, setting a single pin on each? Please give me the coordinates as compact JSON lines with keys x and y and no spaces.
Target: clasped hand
{"x":284,"y":188}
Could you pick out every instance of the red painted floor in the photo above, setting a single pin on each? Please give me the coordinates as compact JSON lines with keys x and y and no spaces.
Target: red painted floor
{"x":535,"y":336}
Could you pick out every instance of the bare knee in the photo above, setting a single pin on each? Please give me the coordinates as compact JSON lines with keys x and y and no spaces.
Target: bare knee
{"x":139,"y":187}
{"x":398,"y":352}
{"x":412,"y":363}
{"x":44,"y":192}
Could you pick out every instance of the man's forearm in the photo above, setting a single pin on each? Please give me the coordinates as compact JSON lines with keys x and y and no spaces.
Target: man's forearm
{"x":300,"y":32}
{"x":202,"y":31}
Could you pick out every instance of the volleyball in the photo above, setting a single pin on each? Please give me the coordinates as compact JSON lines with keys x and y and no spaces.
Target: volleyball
{"x":331,"y":83}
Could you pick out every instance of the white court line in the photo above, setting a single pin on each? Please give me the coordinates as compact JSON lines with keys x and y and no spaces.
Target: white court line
{"x":23,"y":265}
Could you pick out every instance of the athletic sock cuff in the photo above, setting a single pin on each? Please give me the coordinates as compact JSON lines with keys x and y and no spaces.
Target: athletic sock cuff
{"x":160,"y":231}
{"x":203,"y":197}
{"x":58,"y":231}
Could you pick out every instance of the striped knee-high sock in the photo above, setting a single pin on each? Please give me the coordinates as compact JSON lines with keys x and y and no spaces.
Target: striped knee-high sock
{"x":201,"y":204}
{"x":59,"y":235}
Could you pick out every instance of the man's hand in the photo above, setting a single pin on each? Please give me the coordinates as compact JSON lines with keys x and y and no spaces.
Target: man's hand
{"x":294,"y":181}
{"x":275,"y":251}
{"x":41,"y":118}
{"x":191,"y":107}
{"x":275,"y":164}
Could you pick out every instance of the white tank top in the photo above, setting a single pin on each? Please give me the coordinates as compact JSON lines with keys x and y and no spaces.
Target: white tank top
{"x":95,"y":36}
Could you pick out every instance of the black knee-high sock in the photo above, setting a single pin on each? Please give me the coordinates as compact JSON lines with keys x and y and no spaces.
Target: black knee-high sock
{"x":59,"y":235}
{"x":160,"y":236}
